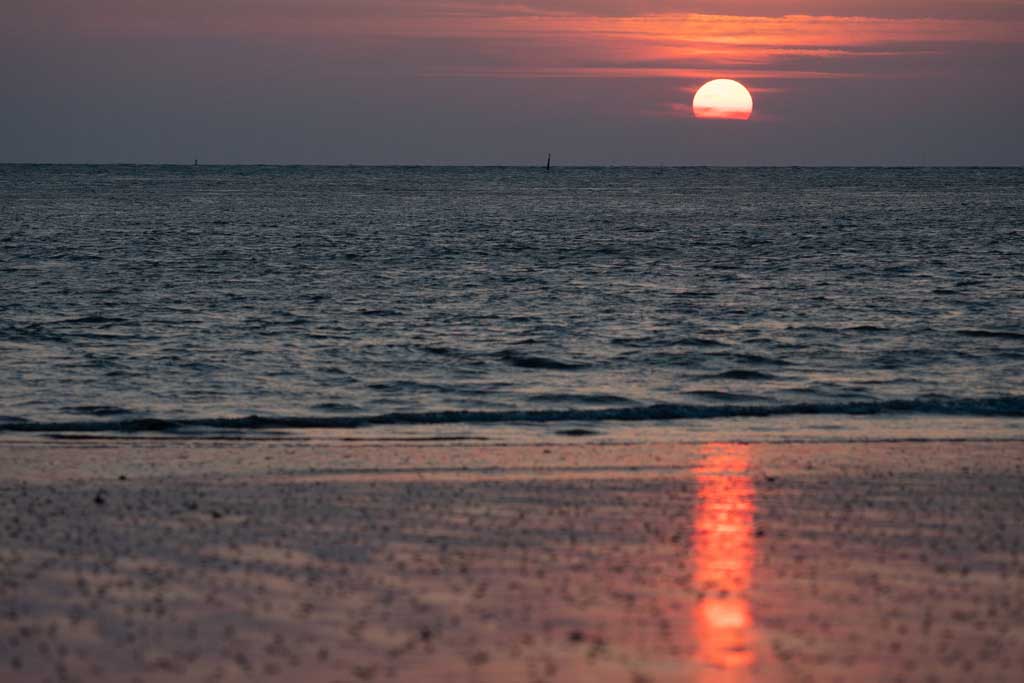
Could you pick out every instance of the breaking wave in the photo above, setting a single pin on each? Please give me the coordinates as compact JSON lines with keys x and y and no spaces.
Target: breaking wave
{"x":1005,"y":406}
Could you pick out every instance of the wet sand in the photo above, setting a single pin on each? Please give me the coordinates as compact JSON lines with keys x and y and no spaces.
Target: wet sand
{"x":203,"y":560}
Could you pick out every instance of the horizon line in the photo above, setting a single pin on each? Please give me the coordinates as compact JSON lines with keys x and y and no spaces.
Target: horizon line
{"x":539,"y":165}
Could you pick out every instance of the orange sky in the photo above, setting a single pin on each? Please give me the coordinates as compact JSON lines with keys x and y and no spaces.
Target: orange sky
{"x":620,"y":63}
{"x":718,"y":38}
{"x":565,"y":38}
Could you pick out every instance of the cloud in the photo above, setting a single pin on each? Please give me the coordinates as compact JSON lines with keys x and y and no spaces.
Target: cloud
{"x":699,"y":45}
{"x":753,"y":39}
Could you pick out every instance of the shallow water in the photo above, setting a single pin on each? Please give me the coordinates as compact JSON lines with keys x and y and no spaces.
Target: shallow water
{"x":154,"y":297}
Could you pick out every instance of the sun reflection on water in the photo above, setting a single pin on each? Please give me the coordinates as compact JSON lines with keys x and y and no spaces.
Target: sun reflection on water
{"x":724,"y":560}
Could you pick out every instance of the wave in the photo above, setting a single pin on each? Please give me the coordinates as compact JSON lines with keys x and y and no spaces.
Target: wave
{"x":590,"y":399}
{"x":97,"y":411}
{"x":655,"y":341}
{"x":746,"y":375}
{"x":93,"y":320}
{"x":721,"y":396}
{"x":992,"y":334}
{"x":522,"y":360}
{"x":1005,"y":406}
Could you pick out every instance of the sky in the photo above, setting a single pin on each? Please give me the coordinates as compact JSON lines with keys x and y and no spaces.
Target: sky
{"x":834,"y":82}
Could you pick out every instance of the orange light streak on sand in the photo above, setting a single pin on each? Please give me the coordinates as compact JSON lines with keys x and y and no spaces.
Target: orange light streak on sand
{"x":723,"y":540}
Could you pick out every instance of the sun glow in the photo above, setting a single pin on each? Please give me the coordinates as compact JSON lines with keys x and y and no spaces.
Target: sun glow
{"x":723,"y":98}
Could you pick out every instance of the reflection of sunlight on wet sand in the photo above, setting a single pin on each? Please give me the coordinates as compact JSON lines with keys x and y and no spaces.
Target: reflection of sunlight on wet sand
{"x":723,"y":563}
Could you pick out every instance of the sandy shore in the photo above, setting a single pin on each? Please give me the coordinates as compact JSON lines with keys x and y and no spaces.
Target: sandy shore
{"x":176,"y":560}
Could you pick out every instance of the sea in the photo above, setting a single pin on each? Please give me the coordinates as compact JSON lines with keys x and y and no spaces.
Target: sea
{"x":511,"y":303}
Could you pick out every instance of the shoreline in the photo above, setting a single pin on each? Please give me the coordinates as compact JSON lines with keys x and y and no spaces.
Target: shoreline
{"x":178,"y":559}
{"x":809,"y":429}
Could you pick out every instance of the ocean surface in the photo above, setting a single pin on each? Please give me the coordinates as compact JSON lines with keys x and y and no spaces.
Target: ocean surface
{"x":167,"y":298}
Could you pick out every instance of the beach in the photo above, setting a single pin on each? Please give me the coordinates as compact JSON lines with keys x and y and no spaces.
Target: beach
{"x":321,"y":559}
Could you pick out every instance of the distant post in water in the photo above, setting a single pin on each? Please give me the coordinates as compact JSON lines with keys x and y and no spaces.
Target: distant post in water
{"x":548,"y":167}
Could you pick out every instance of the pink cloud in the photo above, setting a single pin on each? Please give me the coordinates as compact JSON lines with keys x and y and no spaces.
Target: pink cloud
{"x":757,"y":39}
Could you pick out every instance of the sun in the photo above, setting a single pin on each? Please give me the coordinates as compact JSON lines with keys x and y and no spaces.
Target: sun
{"x":723,"y":98}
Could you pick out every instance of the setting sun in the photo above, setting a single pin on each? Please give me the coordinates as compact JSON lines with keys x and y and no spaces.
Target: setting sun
{"x":723,"y":99}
